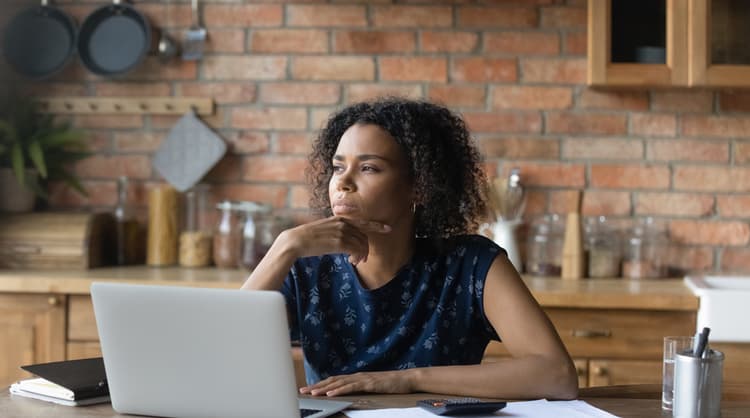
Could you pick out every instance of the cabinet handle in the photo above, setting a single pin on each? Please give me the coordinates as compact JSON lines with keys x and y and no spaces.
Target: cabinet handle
{"x":592,"y":333}
{"x":53,"y":300}
{"x":581,"y":371}
{"x":600,"y":371}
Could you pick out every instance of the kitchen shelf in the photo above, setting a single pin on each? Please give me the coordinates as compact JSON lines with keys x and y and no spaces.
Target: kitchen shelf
{"x":126,"y":105}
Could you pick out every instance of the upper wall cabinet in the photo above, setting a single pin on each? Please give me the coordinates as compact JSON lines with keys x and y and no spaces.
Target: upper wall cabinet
{"x":668,"y":43}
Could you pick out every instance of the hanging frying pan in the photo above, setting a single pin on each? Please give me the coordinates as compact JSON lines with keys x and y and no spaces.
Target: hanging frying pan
{"x":113,"y":39}
{"x":39,"y":41}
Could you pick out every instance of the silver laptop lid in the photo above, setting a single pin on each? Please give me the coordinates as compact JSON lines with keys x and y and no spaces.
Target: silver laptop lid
{"x":189,"y":352}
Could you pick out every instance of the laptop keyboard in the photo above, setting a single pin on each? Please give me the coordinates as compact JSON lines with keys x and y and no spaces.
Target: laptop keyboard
{"x":307,"y":412}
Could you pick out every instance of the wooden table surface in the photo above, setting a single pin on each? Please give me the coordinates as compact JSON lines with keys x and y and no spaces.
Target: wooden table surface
{"x":656,"y":294}
{"x":642,"y":401}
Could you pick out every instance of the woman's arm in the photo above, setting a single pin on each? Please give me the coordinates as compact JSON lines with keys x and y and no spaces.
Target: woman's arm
{"x":539,"y":365}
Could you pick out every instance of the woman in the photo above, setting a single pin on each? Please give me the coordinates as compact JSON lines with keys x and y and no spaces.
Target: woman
{"x":388,"y":293}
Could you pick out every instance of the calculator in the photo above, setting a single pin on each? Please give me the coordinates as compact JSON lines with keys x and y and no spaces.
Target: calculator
{"x":460,"y":406}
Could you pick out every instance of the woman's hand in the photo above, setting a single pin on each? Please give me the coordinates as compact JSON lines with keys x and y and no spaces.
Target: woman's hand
{"x":399,"y":381}
{"x":333,"y":235}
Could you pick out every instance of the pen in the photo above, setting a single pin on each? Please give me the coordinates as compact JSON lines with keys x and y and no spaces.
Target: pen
{"x":702,"y":342}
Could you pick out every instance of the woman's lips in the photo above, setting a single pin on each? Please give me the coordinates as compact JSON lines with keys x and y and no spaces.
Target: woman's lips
{"x":343,"y":208}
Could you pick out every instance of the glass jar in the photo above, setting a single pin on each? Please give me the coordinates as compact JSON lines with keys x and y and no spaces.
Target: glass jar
{"x":196,"y":235}
{"x":258,"y":233}
{"x":227,"y":235}
{"x":544,"y":246}
{"x":603,"y":247}
{"x":643,"y":252}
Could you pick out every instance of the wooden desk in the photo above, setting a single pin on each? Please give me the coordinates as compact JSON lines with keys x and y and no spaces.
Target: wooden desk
{"x":642,"y":404}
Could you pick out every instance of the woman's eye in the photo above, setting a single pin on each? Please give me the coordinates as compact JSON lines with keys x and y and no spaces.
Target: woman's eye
{"x":338,"y":168}
{"x":369,"y":168}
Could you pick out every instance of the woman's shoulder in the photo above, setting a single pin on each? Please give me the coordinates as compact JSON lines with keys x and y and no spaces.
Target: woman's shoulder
{"x":460,"y":245}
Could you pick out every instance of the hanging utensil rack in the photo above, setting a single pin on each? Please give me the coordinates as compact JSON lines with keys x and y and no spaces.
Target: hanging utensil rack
{"x":126,"y":105}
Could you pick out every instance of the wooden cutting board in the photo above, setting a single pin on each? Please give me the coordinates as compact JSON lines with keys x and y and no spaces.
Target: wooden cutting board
{"x":56,"y":240}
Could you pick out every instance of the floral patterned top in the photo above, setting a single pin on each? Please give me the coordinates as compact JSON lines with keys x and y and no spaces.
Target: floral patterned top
{"x":430,"y":314}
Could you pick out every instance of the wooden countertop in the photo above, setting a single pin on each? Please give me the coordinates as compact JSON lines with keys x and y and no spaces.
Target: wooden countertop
{"x":658,"y":294}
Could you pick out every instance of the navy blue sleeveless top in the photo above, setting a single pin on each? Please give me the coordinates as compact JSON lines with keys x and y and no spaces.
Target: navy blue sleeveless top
{"x":430,"y":314}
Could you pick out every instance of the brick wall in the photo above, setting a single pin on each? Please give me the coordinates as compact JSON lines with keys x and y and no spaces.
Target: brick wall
{"x":516,"y":70}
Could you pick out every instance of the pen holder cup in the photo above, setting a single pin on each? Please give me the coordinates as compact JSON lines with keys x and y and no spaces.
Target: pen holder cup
{"x":697,"y":385}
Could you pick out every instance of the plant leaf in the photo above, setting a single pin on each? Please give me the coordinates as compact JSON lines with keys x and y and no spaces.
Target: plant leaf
{"x":73,"y":182}
{"x":37,"y":157}
{"x":17,"y":162}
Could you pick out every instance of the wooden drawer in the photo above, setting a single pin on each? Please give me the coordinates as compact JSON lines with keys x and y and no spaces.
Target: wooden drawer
{"x":736,"y":362}
{"x":81,"y":321}
{"x":619,"y":334}
{"x":624,"y":372}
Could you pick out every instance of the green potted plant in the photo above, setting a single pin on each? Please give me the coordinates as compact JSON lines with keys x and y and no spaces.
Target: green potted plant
{"x":34,"y":149}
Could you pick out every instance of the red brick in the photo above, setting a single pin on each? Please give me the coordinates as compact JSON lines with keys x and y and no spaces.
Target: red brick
{"x":458,"y":95}
{"x":518,"y":148}
{"x":497,"y":17}
{"x":273,"y":195}
{"x":716,"y":126}
{"x":585,"y":123}
{"x":109,"y":89}
{"x":564,"y":17}
{"x":138,"y":141}
{"x":674,"y":204}
{"x":506,"y":122}
{"x":215,"y":120}
{"x":413,"y":69}
{"x":244,"y":67}
{"x":733,"y":206}
{"x":604,"y":202}
{"x":688,"y":150}
{"x":621,"y":176}
{"x":300,"y":197}
{"x":741,"y":152}
{"x":153,"y":69}
{"x":562,"y":71}
{"x":735,"y":260}
{"x":300,"y":93}
{"x":734,"y":101}
{"x":319,"y":116}
{"x":362,"y":92}
{"x":326,"y":15}
{"x":293,"y":143}
{"x":225,"y":41}
{"x":536,"y":203}
{"x":618,"y":100}
{"x":426,"y":16}
{"x":333,"y":68}
{"x":222,"y":93}
{"x":522,"y":43}
{"x":108,"y":121}
{"x":373,"y":42}
{"x":243,"y":15}
{"x":228,"y":169}
{"x":650,"y":124}
{"x":100,"y":193}
{"x":602,"y":149}
{"x":709,"y":232}
{"x":304,"y":41}
{"x":275,"y":168}
{"x":451,"y":41}
{"x":687,"y":258}
{"x":54,"y":89}
{"x":682,"y":101}
{"x":98,"y":141}
{"x":250,"y":143}
{"x":550,"y":174}
{"x":712,"y":179}
{"x":158,"y":14}
{"x":481,"y":70}
{"x":575,"y":43}
{"x":273,"y":118}
{"x":111,"y":167}
{"x":531,"y":97}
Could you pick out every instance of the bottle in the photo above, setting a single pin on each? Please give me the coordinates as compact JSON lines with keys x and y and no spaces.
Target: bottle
{"x":195,"y":237}
{"x":127,"y":228}
{"x":227,"y":236}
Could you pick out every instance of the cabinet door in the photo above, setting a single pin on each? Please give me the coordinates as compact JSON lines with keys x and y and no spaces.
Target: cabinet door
{"x":32,"y":330}
{"x":637,"y":43}
{"x":623,"y":372}
{"x":582,"y":370}
{"x":718,"y":51}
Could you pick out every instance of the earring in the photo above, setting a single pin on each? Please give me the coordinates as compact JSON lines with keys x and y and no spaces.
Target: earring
{"x":414,"y":207}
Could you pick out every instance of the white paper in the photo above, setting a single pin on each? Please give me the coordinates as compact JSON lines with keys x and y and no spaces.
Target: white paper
{"x":14,"y":390}
{"x":45,"y":387}
{"x":527,"y":409}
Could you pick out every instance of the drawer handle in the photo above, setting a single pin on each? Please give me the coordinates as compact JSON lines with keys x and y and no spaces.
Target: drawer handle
{"x":592,"y":333}
{"x":600,"y":371}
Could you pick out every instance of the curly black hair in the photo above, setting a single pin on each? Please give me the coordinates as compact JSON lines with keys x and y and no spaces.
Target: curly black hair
{"x":444,"y":163}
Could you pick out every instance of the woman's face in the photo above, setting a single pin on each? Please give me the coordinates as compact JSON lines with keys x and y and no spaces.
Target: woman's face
{"x":370,"y":178}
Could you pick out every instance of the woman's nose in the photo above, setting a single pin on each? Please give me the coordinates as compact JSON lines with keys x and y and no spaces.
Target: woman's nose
{"x":344,"y":182}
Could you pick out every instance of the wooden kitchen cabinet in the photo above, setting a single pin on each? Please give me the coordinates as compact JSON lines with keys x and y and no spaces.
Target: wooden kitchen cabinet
{"x":702,"y":42}
{"x":32,"y":330}
{"x":624,"y":372}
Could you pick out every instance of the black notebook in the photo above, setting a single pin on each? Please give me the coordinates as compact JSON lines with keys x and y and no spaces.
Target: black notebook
{"x":85,"y":380}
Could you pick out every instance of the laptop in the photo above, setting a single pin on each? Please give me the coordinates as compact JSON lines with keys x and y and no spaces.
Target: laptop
{"x":196,"y":352}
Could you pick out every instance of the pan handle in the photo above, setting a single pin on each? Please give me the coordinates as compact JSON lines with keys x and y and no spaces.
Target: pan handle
{"x":45,"y":3}
{"x":194,"y":7}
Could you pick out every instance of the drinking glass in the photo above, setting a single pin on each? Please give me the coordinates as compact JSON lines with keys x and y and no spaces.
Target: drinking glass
{"x":672,"y":346}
